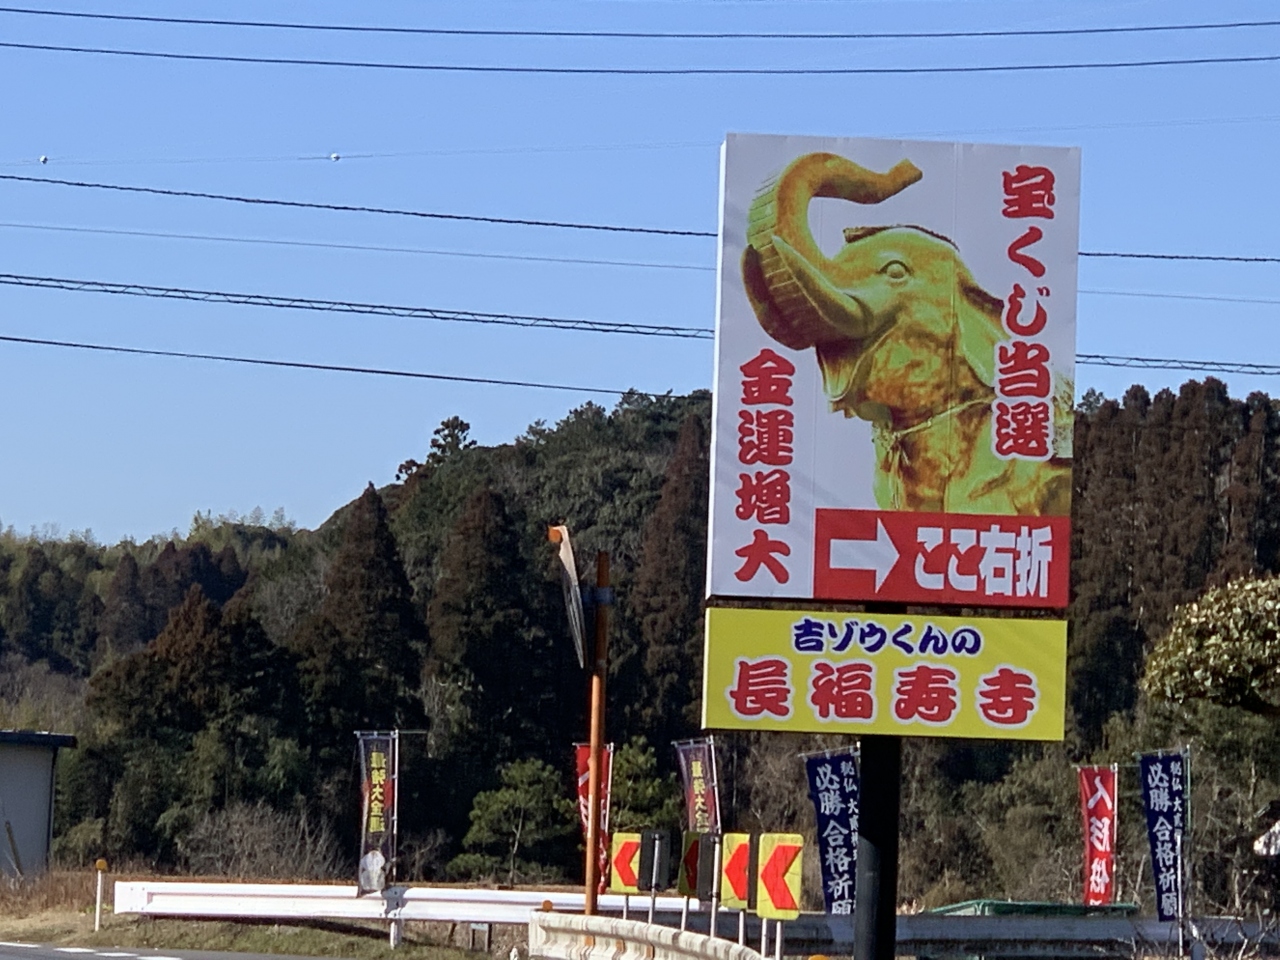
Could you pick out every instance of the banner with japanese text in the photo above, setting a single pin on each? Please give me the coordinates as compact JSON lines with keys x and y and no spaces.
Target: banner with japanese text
{"x":895,"y":363}
{"x":907,"y":675}
{"x":582,"y":762}
{"x":833,"y":788}
{"x":378,"y":766}
{"x":697,"y":760}
{"x":1164,"y":799}
{"x":1098,"y":812}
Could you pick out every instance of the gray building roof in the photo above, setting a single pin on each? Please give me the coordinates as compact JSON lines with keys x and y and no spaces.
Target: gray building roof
{"x":36,"y":738}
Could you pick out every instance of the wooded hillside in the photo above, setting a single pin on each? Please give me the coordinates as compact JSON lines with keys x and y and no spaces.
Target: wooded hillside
{"x":215,"y":679}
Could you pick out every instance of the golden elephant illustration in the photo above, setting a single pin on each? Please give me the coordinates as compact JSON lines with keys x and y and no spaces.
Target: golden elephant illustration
{"x":904,"y":338}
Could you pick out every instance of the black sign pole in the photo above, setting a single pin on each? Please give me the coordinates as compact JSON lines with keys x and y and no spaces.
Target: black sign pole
{"x":875,"y":914}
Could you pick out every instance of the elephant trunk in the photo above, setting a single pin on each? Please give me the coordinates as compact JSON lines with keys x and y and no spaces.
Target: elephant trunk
{"x":781,"y":211}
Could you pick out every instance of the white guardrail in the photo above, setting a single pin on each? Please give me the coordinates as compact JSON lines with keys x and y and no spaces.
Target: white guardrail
{"x":286,"y":901}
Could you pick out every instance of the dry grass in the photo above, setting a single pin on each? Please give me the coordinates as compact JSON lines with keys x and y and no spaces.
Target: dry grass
{"x":58,"y":890}
{"x":58,"y":909}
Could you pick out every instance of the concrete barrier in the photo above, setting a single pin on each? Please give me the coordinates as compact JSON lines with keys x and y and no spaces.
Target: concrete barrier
{"x":560,"y":936}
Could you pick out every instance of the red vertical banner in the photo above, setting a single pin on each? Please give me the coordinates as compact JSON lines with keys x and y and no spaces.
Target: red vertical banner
{"x":582,"y":757}
{"x":1098,"y":810}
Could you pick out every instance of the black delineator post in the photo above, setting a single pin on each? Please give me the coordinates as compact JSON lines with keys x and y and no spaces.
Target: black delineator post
{"x":875,"y":914}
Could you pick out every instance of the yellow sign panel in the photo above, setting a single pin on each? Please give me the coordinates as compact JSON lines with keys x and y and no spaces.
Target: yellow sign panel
{"x":907,"y":675}
{"x":778,"y":876}
{"x":735,"y":871}
{"x":624,"y":863}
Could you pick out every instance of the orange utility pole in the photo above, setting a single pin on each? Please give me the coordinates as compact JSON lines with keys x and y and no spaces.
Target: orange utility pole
{"x":599,"y":671}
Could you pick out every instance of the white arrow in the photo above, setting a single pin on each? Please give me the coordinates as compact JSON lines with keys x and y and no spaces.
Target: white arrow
{"x":879,"y":554}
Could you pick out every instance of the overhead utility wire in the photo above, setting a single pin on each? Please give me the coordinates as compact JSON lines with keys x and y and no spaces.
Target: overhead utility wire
{"x":330,"y":367}
{"x":345,"y":155}
{"x":562,"y":323}
{"x":641,"y":71}
{"x":340,"y":306}
{"x":1155,"y":363}
{"x":371,"y":248}
{"x":458,"y":316}
{"x":559,"y":224}
{"x":349,"y":208}
{"x":1179,"y":256}
{"x":1084,"y":359}
{"x":572,"y":261}
{"x":641,"y":35}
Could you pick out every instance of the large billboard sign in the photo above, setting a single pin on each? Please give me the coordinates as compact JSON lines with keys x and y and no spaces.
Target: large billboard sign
{"x":894,"y":372}
{"x":899,"y":674}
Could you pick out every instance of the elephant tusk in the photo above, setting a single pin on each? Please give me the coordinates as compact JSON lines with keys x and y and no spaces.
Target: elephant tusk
{"x":845,"y":315}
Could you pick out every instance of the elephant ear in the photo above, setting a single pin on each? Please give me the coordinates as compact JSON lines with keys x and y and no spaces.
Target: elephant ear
{"x":978,"y":315}
{"x":757,"y":288}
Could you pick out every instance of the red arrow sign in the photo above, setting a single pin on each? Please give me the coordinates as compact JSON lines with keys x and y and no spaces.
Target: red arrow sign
{"x":624,"y":863}
{"x":735,"y":870}
{"x":910,"y":557}
{"x":774,"y":875}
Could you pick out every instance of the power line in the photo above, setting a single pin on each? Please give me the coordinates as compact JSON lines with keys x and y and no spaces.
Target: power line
{"x":332,"y":156}
{"x":1180,"y":296}
{"x":430,"y":313}
{"x":349,"y":208}
{"x":1155,"y":363}
{"x":640,"y":35}
{"x":1084,"y":359}
{"x":1180,"y":256}
{"x":583,"y":261}
{"x":558,"y":224}
{"x":340,"y":306}
{"x":328,"y":367}
{"x":643,"y":71}
{"x":574,"y":261}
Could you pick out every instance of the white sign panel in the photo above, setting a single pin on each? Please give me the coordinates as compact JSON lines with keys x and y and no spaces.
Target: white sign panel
{"x":894,"y":371}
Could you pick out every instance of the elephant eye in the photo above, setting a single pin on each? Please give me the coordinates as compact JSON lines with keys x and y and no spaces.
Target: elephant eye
{"x":896,"y":270}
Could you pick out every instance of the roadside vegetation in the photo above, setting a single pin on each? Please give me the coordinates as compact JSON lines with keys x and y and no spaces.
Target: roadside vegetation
{"x":215,"y":678}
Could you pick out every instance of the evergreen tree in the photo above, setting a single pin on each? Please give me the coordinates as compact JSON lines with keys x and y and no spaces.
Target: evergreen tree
{"x":449,"y":439}
{"x":211,"y":703}
{"x":368,"y":600}
{"x":123,"y":625}
{"x":640,"y":797}
{"x":503,"y":682}
{"x":165,"y":582}
{"x":668,"y":590}
{"x":520,"y":829}
{"x":360,"y":656}
{"x":49,"y":614}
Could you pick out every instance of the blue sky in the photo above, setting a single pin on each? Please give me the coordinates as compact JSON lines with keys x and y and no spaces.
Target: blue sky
{"x":1175,"y":159}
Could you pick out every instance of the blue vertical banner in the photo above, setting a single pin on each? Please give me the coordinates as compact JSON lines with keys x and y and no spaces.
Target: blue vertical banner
{"x":833,"y":787}
{"x":1164,"y":798}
